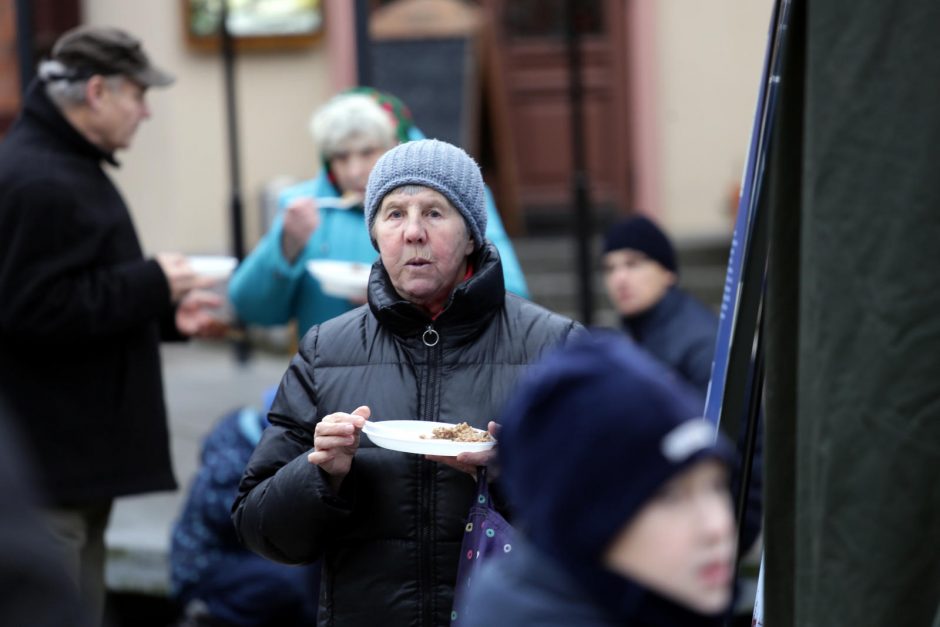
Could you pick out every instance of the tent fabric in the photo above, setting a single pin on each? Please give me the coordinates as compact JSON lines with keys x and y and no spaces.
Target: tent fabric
{"x":852,"y":447}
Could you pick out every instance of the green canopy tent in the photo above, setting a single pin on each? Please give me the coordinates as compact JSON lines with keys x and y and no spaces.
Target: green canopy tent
{"x":852,"y":454}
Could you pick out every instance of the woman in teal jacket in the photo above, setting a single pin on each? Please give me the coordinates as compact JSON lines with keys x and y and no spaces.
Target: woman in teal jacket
{"x":272,"y":285}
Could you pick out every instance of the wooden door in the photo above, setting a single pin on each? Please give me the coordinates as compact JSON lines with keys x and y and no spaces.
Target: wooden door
{"x":9,"y":66}
{"x":531,"y":44}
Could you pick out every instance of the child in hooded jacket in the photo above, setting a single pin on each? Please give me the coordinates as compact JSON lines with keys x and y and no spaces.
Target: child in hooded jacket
{"x":620,"y":496}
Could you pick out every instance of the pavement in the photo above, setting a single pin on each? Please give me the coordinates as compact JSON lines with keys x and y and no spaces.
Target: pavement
{"x":203,"y":381}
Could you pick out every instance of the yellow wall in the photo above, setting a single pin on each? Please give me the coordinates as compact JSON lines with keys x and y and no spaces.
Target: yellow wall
{"x":710,"y":56}
{"x":707,"y":58}
{"x":175,"y":176}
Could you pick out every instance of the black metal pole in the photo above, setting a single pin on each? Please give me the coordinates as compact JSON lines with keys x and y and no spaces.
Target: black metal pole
{"x":751,"y":419}
{"x":227,"y":47}
{"x":363,"y":44}
{"x":228,"y":64}
{"x":25,"y":43}
{"x":579,"y":177}
{"x":755,"y":396}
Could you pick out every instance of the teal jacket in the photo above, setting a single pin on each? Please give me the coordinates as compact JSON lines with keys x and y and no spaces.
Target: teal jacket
{"x":267,"y":289}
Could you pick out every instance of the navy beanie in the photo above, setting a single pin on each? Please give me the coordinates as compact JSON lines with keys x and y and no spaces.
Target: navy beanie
{"x":444,"y":168}
{"x":640,"y":233}
{"x":590,"y":435}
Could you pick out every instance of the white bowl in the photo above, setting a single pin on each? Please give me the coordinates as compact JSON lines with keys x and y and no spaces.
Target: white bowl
{"x":213,"y":266}
{"x":343,"y":279}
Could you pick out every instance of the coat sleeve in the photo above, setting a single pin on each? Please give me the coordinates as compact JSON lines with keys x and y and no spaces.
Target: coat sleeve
{"x":53,"y":283}
{"x":512,"y":271}
{"x":285,"y":509}
{"x":696,"y":365}
{"x":264,"y":286}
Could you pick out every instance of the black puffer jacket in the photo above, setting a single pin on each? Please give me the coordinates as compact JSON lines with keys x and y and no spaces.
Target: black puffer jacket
{"x":390,"y":539}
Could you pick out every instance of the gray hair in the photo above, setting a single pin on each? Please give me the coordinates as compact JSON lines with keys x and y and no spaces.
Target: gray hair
{"x":66,"y":92}
{"x":347,"y":116}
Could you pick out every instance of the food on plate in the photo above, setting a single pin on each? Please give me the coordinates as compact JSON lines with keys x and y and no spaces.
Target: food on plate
{"x":459,"y":433}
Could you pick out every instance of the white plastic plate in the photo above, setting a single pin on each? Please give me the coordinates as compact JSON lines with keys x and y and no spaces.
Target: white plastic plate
{"x":343,"y":279}
{"x":405,"y":436}
{"x":212,"y":266}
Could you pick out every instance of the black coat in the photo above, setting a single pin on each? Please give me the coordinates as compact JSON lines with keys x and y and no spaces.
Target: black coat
{"x":390,"y":539}
{"x":680,"y":332}
{"x":81,"y":312}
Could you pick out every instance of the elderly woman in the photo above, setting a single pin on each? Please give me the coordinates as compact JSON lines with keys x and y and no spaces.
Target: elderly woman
{"x":440,"y":340}
{"x":322,"y":218}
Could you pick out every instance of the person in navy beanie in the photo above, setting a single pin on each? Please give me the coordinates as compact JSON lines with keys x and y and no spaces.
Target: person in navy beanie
{"x":620,"y":498}
{"x":640,"y":276}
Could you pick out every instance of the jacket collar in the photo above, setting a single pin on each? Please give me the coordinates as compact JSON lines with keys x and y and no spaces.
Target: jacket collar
{"x":42,"y":111}
{"x":640,"y":324}
{"x":623,"y":601}
{"x":470,"y":307}
{"x":628,"y":602}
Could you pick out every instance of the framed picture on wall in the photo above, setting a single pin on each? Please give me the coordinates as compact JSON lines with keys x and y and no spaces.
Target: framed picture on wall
{"x":254,"y":24}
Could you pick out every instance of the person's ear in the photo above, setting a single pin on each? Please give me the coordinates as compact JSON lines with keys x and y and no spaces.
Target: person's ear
{"x":95,"y":89}
{"x":468,"y":248}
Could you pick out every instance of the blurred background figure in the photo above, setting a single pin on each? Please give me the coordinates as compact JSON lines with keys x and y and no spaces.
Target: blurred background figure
{"x":322,"y":218}
{"x":214,"y":579}
{"x":640,"y":275}
{"x":83,"y":310}
{"x":36,"y":589}
{"x":620,"y":498}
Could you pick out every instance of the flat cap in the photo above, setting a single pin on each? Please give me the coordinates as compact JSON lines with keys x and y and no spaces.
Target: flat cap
{"x":104,"y":50}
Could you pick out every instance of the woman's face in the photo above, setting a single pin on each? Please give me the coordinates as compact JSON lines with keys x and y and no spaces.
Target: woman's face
{"x":682,"y":542}
{"x":353,"y":162}
{"x":423,"y":242}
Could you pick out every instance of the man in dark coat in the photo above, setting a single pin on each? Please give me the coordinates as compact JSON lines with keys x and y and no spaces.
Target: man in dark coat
{"x":82,"y":310}
{"x":640,"y":274}
{"x":440,"y":340}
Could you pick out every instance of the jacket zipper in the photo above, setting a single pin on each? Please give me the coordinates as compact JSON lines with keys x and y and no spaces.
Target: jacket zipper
{"x":431,"y":339}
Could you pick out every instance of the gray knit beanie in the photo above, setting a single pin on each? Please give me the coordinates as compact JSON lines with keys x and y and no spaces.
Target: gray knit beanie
{"x":441,"y":166}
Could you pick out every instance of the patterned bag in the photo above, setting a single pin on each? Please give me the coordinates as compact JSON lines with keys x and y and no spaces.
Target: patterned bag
{"x":487,"y":533}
